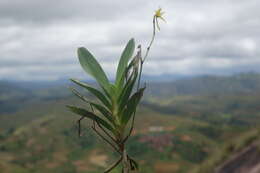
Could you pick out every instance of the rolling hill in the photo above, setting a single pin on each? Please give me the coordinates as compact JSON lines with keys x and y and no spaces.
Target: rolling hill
{"x":179,"y":126}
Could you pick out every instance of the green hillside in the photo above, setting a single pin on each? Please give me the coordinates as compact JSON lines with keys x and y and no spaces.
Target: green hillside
{"x":174,"y":132}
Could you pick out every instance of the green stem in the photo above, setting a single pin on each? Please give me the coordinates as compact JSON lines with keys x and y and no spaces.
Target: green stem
{"x":152,"y":40}
{"x":146,"y":54}
{"x":126,"y":166}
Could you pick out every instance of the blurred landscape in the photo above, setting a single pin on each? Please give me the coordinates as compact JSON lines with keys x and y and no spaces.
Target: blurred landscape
{"x":191,"y":124}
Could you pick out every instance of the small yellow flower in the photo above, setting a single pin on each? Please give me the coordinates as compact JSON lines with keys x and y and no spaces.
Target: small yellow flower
{"x":158,"y":14}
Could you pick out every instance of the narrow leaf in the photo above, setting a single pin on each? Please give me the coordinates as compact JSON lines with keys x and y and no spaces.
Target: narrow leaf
{"x":100,"y":108}
{"x":94,"y":91}
{"x":126,"y":55}
{"x":127,"y":90}
{"x":104,"y":112}
{"x":126,"y":75}
{"x":92,"y":67}
{"x":131,"y":106}
{"x":90,"y":115}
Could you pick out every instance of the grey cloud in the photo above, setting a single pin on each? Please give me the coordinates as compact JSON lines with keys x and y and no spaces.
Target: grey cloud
{"x":48,"y":11}
{"x":200,"y":36}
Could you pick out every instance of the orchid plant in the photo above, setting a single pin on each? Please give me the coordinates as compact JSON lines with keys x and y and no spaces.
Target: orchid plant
{"x":113,"y":116}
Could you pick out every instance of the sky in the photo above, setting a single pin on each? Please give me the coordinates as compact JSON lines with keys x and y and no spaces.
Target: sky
{"x":39,"y":38}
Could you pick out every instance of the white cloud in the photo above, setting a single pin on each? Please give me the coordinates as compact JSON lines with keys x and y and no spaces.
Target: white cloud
{"x":39,"y":40}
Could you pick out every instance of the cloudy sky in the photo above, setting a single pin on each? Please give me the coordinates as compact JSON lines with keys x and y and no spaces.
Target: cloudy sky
{"x":39,"y":38}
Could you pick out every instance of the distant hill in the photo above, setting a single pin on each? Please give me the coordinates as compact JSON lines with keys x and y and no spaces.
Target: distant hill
{"x":206,"y":85}
{"x":11,"y":96}
{"x":200,"y":85}
{"x":14,"y":95}
{"x":164,"y":85}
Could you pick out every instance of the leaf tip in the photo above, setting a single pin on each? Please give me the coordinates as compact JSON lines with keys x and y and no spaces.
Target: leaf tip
{"x":132,"y":40}
{"x":74,"y":80}
{"x":81,"y":48}
{"x":68,"y":106}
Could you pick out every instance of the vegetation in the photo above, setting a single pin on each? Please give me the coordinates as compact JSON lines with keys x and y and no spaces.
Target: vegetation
{"x":194,"y":130}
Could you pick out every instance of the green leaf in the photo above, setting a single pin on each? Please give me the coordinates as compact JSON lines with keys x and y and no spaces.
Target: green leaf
{"x":90,"y":115}
{"x":124,"y":77}
{"x":104,"y":112}
{"x":92,"y":67}
{"x":100,"y":108}
{"x":127,"y":90}
{"x":94,"y":91}
{"x":131,"y":106}
{"x":122,"y":65}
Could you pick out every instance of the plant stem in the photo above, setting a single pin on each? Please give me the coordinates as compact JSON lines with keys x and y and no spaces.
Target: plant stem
{"x":125,"y":162}
{"x":126,"y":166}
{"x":151,"y":42}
